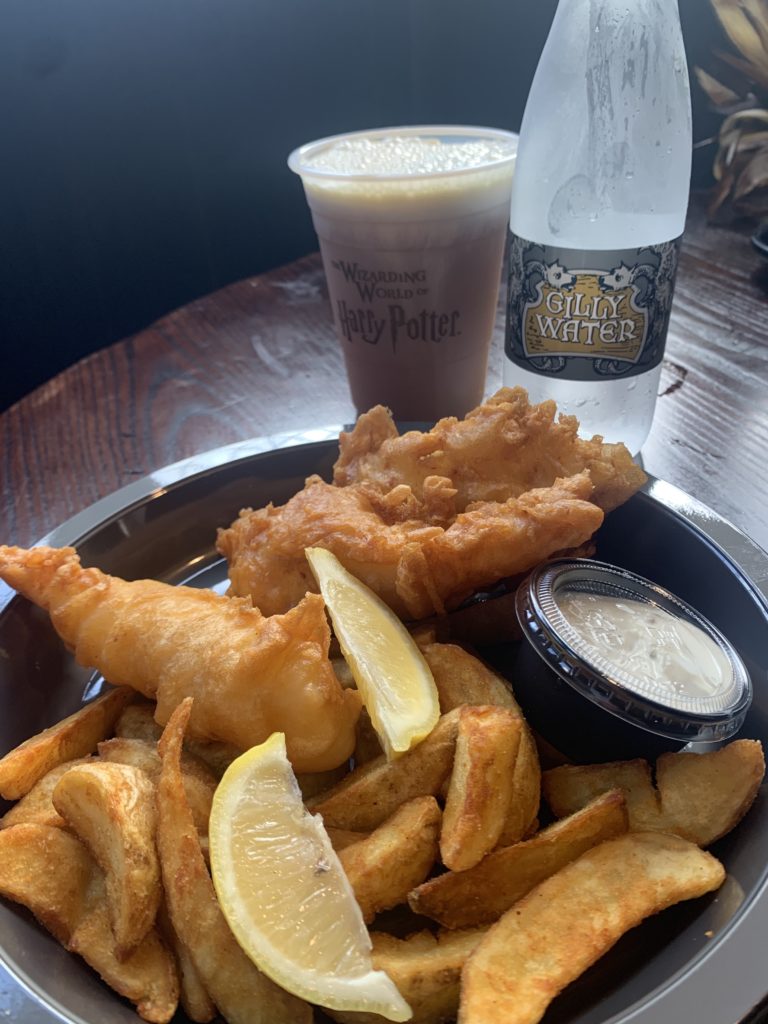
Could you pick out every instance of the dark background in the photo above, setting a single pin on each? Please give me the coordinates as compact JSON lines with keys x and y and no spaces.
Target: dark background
{"x":143,"y":142}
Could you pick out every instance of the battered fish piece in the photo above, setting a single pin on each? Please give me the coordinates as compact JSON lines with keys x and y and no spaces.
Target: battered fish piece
{"x":249,"y":675}
{"x":500,"y":450}
{"x":419,"y":568}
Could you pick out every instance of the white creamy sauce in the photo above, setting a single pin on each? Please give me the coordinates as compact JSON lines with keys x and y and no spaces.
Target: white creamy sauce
{"x":674,"y":656}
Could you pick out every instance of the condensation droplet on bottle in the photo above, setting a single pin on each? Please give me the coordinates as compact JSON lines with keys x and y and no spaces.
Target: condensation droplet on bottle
{"x":574,"y":200}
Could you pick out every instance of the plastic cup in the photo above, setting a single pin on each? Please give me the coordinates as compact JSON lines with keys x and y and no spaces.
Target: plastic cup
{"x":412,"y":223}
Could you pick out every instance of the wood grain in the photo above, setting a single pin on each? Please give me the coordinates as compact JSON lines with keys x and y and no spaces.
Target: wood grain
{"x":260,"y":357}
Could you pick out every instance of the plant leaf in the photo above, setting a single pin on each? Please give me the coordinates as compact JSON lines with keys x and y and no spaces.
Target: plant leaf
{"x":719,"y":195}
{"x":740,"y":30}
{"x":718,"y":93}
{"x":753,"y":176}
{"x":752,"y":72}
{"x":740,"y":120}
{"x":756,"y":12}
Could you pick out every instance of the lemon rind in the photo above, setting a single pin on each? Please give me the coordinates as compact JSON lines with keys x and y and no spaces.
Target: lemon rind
{"x":372,"y":992}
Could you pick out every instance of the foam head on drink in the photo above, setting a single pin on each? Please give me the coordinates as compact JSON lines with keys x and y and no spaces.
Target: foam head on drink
{"x":411,"y":224}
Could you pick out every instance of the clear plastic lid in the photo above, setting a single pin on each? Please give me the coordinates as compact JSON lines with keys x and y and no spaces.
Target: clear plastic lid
{"x":636,"y":650}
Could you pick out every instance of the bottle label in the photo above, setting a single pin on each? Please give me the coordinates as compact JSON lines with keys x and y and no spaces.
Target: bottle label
{"x":588,"y":314}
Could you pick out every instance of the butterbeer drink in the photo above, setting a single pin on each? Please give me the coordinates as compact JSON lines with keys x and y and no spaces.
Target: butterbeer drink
{"x":412,"y":223}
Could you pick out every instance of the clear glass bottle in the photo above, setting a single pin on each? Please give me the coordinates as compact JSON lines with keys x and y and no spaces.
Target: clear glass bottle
{"x":598,"y":207}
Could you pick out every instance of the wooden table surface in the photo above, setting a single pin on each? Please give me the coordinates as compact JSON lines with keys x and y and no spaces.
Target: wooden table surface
{"x":260,"y":357}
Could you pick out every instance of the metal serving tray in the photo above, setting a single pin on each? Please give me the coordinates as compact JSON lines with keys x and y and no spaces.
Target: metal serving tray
{"x":702,"y":961}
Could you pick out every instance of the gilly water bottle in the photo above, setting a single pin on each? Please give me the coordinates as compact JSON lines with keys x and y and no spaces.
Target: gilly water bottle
{"x":598,"y":208}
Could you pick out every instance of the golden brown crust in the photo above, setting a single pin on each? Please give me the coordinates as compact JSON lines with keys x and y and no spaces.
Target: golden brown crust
{"x":501,"y":449}
{"x":250,"y":675}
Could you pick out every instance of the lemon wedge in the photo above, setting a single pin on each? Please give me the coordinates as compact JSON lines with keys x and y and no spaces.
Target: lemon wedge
{"x":391,"y":673}
{"x":284,"y":893}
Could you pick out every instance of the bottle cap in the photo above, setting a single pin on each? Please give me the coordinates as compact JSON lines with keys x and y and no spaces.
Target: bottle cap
{"x":634,"y":650}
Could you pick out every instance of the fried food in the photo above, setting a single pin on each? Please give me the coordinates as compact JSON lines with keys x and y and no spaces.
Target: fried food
{"x":481,"y":786}
{"x":501,"y":449}
{"x":147,"y":977}
{"x":700,"y":797}
{"x":417,"y":568}
{"x":137,"y":722}
{"x":384,"y":867}
{"x":427,"y":519}
{"x":265,"y":548}
{"x":313,"y":783}
{"x":111,"y":807}
{"x":199,"y":781}
{"x":51,"y":873}
{"x":341,"y":838}
{"x":250,"y":676}
{"x":373,"y":792}
{"x":426,"y":969}
{"x":568,"y":921}
{"x":37,"y":805}
{"x":461,"y":678}
{"x":69,"y":739}
{"x":479,"y":896}
{"x":240,"y":991}
{"x":195,"y":1001}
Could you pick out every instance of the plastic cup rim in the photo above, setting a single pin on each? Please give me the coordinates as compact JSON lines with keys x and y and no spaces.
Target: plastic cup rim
{"x":297,"y":158}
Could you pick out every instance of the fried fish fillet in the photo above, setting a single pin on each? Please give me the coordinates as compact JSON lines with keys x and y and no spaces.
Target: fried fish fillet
{"x":249,"y":675}
{"x":500,"y":450}
{"x":419,"y":566}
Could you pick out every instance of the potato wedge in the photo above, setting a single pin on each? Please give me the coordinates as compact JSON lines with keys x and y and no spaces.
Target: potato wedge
{"x":241,"y":992}
{"x":426,"y":969}
{"x":216,"y":755}
{"x":367,"y":743}
{"x":137,"y":722}
{"x":704,"y":796}
{"x":313,"y":783}
{"x":147,"y":976}
{"x":111,"y":807}
{"x":700,"y":797}
{"x":399,"y":855}
{"x":51,"y":873}
{"x":481,"y":785}
{"x":73,"y":737}
{"x":194,"y":998}
{"x":37,"y":805}
{"x":199,"y":781}
{"x":481,"y":895}
{"x":463,"y":679}
{"x":569,"y":787}
{"x":341,"y":838}
{"x":567,"y":922}
{"x":372,"y":793}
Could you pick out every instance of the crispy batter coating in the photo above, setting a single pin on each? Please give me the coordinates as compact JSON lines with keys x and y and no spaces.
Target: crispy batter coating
{"x":500,"y":450}
{"x":250,"y":675}
{"x":427,"y":519}
{"x":418,"y":566}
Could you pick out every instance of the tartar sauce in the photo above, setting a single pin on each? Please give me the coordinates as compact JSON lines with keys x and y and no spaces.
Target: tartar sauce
{"x":673,"y":655}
